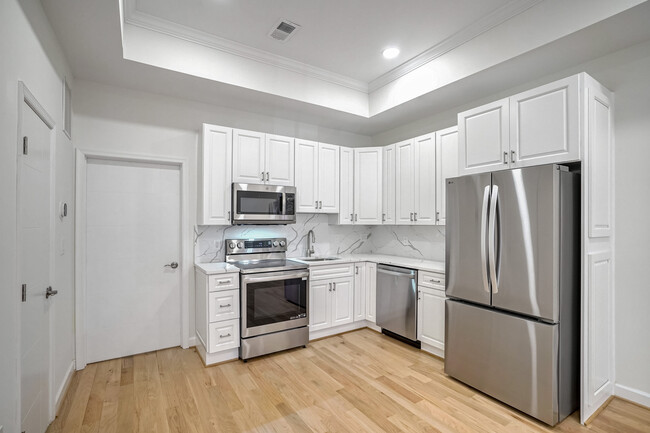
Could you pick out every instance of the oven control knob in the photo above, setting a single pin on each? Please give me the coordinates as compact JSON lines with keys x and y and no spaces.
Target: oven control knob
{"x":275,"y":243}
{"x":232,"y":245}
{"x":282,"y":243}
{"x":240,"y":245}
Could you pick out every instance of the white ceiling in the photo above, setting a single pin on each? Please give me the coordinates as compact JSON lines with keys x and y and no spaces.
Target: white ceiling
{"x":342,"y":36}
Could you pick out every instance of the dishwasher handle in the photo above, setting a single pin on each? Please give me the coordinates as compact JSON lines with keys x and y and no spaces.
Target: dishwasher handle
{"x":397,"y":272}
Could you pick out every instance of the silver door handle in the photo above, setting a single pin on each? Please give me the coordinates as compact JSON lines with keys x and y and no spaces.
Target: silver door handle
{"x":491,"y":240}
{"x":415,"y":216}
{"x":267,"y":176}
{"x":172,"y":265}
{"x":484,"y":217}
{"x":505,"y":157}
{"x":49,"y":292}
{"x":512,"y":156}
{"x":410,"y":276}
{"x":225,"y":306}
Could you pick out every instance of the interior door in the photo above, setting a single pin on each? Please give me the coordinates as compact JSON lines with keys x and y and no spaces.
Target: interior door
{"x":34,"y":249}
{"x":279,"y":160}
{"x":133,"y":281}
{"x":306,"y":176}
{"x":328,"y":178}
{"x":405,"y":182}
{"x":466,"y":238}
{"x":248,"y":157}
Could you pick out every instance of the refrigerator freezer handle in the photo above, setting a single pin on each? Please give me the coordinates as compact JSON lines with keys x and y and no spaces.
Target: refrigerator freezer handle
{"x":492,"y":257}
{"x":484,"y":223}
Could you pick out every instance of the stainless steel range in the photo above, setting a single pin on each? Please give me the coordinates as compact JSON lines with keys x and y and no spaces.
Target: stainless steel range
{"x":274,"y":296}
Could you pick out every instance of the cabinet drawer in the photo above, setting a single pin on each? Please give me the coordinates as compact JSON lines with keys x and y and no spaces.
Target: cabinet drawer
{"x":223,"y":282}
{"x":223,"y":305}
{"x":223,"y":335}
{"x":330,"y":272}
{"x":431,"y":279}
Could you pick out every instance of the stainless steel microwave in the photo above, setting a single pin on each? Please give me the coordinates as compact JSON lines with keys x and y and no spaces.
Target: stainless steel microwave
{"x":263,"y":204}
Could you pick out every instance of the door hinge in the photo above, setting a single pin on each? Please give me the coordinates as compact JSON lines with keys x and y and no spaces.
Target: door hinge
{"x":25,"y":145}
{"x":24,"y":293}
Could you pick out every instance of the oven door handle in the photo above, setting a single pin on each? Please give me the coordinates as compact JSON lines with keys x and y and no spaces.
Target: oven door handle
{"x":274,"y":276}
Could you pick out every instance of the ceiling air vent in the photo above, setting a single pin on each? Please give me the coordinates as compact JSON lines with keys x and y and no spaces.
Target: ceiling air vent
{"x":284,"y":30}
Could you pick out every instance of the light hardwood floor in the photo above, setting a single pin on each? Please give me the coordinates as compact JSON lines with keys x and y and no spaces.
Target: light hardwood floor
{"x":357,"y":382}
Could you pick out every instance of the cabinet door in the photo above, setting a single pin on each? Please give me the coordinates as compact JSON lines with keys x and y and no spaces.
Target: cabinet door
{"x":346,"y":186}
{"x":483,"y":137}
{"x":359,"y":292}
{"x":306,"y":176}
{"x":425,"y":180}
{"x":431,"y":317}
{"x":446,"y":167}
{"x":215,"y":177}
{"x":371,"y":292}
{"x":388,"y":185}
{"x":279,"y":161}
{"x":320,"y":305}
{"x":404,"y":182}
{"x":342,"y":301}
{"x":248,"y":157}
{"x":367,"y":185}
{"x":328,"y":178}
{"x":544,"y":124}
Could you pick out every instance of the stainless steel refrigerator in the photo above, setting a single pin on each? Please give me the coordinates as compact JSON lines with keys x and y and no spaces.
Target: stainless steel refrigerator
{"x":513,"y":285}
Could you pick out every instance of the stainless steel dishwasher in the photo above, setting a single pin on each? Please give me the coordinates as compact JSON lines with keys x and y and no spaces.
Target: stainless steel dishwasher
{"x":397,"y":301}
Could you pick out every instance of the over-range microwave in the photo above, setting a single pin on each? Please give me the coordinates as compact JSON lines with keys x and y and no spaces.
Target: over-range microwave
{"x":263,"y":204}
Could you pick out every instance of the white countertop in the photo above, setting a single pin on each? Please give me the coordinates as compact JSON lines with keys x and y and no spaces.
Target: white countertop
{"x":407,"y":262}
{"x":216,"y":268}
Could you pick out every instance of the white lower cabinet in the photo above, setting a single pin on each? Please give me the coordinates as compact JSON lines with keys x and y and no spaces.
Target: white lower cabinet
{"x":331,"y":297}
{"x":431,"y":312}
{"x":217,"y":316}
{"x":371,"y":292}
{"x":359,"y":292}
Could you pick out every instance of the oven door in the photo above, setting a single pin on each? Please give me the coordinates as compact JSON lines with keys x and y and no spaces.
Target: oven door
{"x":263,"y":204}
{"x":274,"y":301}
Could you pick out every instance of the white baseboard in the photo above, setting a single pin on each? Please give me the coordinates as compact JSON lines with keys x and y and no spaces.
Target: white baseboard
{"x":314,"y":335}
{"x":440,"y":353}
{"x":60,"y":393}
{"x":192,"y":341}
{"x":634,"y":395}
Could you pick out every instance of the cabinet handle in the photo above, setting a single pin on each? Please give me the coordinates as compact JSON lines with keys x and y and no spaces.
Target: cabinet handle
{"x":415,"y":216}
{"x":434,"y":281}
{"x":262,"y":176}
{"x":224,"y":336}
{"x":351,"y":217}
{"x":316,"y":204}
{"x":419,"y":293}
{"x":505,"y":157}
{"x":411,"y":216}
{"x":383,"y":217}
{"x":437,"y":216}
{"x":356,"y":271}
{"x":356,"y":217}
{"x":228,"y":216}
{"x":267,"y":176}
{"x":320,"y":204}
{"x":225,"y":306}
{"x":512,"y":156}
{"x":223,"y":281}
{"x":330,"y":286}
{"x":334,"y":289}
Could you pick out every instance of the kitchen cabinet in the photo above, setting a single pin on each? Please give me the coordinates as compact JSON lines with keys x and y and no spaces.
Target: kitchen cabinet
{"x":367,"y":185}
{"x":371,"y":291}
{"x":431,"y":312}
{"x":260,"y":158}
{"x":535,"y":127}
{"x":388,"y":185}
{"x":214,"y":195}
{"x":359,"y":291}
{"x":446,"y":168}
{"x":346,"y":187}
{"x":415,"y":176}
{"x":317,"y":177}
{"x":331,"y":296}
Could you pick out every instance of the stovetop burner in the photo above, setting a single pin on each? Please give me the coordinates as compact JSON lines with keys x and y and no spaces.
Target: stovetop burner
{"x":260,"y":255}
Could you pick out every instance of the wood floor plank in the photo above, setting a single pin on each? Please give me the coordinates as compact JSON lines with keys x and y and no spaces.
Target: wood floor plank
{"x":357,"y":382}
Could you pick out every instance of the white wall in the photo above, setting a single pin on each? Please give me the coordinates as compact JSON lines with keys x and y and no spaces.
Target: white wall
{"x":29,"y":52}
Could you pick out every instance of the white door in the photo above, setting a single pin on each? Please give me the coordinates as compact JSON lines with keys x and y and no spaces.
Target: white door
{"x":359,"y":291}
{"x":328,"y":178}
{"x":431,"y":317}
{"x":248,"y":157}
{"x":404,"y":182}
{"x":34,"y":249}
{"x":544,"y":124}
{"x":371,"y":292}
{"x":342,"y":301}
{"x":367,"y":185}
{"x":425,"y":180}
{"x":346,"y":186}
{"x":279,"y":160}
{"x":320,"y":305}
{"x":306,"y":176}
{"x":483,"y":138}
{"x":215,"y":176}
{"x":133,"y":300}
{"x":446,"y":167}
{"x":388,"y":185}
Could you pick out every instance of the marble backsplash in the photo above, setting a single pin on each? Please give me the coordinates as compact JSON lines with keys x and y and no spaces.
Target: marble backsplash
{"x":405,"y":241}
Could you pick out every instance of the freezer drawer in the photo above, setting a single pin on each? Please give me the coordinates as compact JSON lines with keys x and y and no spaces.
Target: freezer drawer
{"x":514,"y":360}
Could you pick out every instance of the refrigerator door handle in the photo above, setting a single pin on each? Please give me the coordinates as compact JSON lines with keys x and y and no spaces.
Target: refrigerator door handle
{"x":484,"y":223}
{"x":492,"y":257}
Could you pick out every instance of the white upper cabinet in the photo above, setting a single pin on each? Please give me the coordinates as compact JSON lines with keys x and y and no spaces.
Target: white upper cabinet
{"x":483,"y":138}
{"x":388,"y":185}
{"x":214,"y":198}
{"x":279,"y":160}
{"x":346,"y":186}
{"x":544,"y":124}
{"x":328,"y":178}
{"x":367,"y":185}
{"x":425,"y":180}
{"x":446,"y":167}
{"x":317,"y":177}
{"x":404,"y":182}
{"x":262,"y":158}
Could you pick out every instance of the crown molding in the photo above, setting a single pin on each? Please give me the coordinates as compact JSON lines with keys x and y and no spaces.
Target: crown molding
{"x":478,"y":27}
{"x":149,"y":22}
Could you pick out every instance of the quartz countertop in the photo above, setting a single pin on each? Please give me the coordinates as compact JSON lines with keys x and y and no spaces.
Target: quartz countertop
{"x":216,"y":268}
{"x":407,"y":262}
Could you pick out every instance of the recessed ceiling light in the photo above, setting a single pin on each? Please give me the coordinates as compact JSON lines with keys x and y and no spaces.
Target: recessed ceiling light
{"x":391,"y":53}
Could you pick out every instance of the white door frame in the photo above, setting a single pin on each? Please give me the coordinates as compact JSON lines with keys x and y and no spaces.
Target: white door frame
{"x":27,"y":97}
{"x":186,"y":261}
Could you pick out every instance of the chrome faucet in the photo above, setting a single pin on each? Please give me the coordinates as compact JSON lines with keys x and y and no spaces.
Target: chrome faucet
{"x":311,"y":238}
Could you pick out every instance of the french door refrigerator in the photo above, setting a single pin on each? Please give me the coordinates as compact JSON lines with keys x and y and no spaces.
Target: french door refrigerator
{"x":513,"y":284}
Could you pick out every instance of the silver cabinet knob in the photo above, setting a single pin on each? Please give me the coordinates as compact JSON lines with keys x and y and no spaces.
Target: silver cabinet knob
{"x":172,"y":265}
{"x":49,"y":292}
